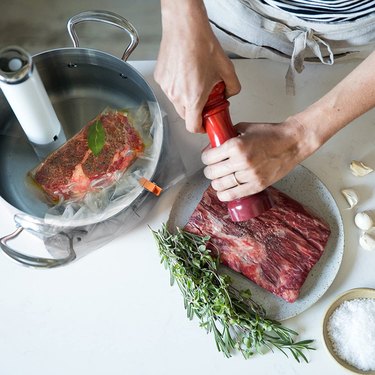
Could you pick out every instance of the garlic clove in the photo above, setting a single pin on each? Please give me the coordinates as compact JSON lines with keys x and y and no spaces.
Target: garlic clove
{"x":367,"y":240}
{"x":359,"y":169}
{"x":351,"y":197}
{"x":363,"y":221}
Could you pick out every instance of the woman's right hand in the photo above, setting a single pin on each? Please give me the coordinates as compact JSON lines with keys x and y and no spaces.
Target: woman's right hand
{"x":191,"y":60}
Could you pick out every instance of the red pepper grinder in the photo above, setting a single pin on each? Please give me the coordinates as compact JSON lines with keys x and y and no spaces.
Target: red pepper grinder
{"x":219,"y":128}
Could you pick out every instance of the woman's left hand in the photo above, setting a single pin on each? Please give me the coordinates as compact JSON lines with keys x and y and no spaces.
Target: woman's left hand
{"x":262,"y":154}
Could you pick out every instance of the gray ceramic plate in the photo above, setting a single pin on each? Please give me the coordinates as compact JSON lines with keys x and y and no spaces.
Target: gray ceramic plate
{"x":305,"y":187}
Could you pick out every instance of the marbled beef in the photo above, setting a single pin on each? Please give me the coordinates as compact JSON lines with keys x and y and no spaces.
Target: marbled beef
{"x":275,"y":250}
{"x":73,"y":170}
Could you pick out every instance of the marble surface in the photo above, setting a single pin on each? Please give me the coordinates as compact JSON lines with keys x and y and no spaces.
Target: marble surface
{"x":114,"y":312}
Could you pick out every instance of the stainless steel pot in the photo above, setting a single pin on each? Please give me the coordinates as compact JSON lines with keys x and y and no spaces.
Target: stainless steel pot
{"x":80,"y":83}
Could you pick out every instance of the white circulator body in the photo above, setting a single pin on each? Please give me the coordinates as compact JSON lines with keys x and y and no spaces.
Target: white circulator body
{"x":33,"y":109}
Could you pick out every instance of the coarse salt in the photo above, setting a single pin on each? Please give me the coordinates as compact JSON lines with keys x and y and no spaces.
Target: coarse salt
{"x":351,"y":329}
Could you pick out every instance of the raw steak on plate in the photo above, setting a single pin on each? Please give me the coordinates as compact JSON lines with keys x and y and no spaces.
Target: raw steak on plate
{"x":275,"y":250}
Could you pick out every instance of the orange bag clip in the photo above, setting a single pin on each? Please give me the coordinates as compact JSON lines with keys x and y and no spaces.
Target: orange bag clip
{"x":150,"y":186}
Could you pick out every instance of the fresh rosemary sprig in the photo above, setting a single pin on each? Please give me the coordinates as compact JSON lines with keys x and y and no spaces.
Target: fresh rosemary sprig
{"x":237,"y":322}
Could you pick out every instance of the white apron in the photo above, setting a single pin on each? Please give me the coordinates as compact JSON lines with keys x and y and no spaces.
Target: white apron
{"x":251,"y":29}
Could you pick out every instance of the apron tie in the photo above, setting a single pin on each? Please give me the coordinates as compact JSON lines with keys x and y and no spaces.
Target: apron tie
{"x":305,"y":39}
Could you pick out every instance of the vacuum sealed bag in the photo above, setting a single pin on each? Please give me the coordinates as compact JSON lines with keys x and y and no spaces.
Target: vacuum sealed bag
{"x":101,"y":169}
{"x":93,"y":159}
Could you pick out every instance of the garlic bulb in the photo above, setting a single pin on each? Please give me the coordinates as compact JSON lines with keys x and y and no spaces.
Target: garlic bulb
{"x":359,"y":169}
{"x":351,"y":197}
{"x":367,"y":240}
{"x":363,"y":221}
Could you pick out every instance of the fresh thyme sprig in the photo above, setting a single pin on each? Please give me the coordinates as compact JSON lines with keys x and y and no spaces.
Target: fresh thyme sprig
{"x":237,"y":322}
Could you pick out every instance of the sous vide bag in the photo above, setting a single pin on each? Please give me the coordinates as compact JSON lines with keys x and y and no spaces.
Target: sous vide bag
{"x":85,"y":239}
{"x":94,"y":174}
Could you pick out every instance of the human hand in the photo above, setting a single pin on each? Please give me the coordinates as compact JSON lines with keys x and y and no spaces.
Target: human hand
{"x":191,"y":61}
{"x":262,"y":154}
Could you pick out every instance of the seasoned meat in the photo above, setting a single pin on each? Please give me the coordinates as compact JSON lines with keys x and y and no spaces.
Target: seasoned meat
{"x":275,"y":250}
{"x":73,"y":169}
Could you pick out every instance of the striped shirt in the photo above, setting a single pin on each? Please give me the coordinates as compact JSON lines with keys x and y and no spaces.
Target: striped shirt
{"x":325,"y":10}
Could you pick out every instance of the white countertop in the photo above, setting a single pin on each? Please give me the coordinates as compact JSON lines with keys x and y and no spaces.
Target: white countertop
{"x":114,"y":312}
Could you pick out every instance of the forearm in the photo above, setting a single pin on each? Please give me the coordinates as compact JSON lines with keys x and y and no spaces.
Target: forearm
{"x":191,"y":60}
{"x":180,"y":12}
{"x":349,"y":99}
{"x":180,"y":4}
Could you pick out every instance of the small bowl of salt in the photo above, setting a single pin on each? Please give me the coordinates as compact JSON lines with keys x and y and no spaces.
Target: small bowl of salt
{"x":349,"y":330}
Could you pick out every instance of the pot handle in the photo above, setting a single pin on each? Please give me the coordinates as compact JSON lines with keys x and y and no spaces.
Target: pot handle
{"x":37,"y":262}
{"x":109,"y":18}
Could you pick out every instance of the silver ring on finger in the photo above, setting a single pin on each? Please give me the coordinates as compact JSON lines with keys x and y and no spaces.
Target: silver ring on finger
{"x":235,"y":179}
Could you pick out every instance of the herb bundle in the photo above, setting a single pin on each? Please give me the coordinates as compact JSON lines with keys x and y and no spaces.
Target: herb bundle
{"x":236,"y":320}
